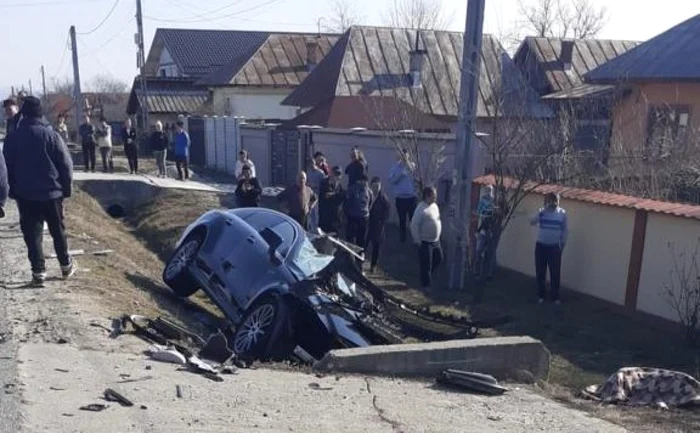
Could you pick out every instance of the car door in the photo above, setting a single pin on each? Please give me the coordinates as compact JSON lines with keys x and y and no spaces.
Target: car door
{"x":245,"y":260}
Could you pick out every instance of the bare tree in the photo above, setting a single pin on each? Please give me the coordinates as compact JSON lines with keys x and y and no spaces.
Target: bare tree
{"x":105,"y":83}
{"x":418,"y":14}
{"x":683,"y":290}
{"x":578,"y":19}
{"x":62,"y":86}
{"x":344,"y":16}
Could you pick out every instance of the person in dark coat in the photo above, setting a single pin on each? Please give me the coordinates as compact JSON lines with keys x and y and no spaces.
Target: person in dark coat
{"x":331,"y":199}
{"x":159,"y":145}
{"x":40,"y":177}
{"x":4,"y":187}
{"x":357,"y":202}
{"x":89,"y":143}
{"x":12,"y":115}
{"x":249,"y":190}
{"x":378,"y":216}
{"x":131,"y":148}
{"x":358,"y":168}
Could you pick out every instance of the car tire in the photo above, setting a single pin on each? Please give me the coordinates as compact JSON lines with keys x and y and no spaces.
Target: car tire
{"x":264,"y":332}
{"x":176,"y":274}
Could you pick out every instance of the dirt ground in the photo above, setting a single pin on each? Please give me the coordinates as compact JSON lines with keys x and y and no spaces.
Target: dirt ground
{"x":588,"y":340}
{"x":58,"y":338}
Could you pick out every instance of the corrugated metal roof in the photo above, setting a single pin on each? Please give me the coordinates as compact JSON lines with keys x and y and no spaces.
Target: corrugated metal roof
{"x":587,"y":55}
{"x":281,"y":60}
{"x":605,"y":198}
{"x":168,"y":95}
{"x":672,"y":55}
{"x":347,"y":112}
{"x":373,"y":61}
{"x":582,"y":91}
{"x":201,"y":52}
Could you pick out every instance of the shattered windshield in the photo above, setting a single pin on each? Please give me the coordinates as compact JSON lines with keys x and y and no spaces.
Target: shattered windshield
{"x":309,"y":261}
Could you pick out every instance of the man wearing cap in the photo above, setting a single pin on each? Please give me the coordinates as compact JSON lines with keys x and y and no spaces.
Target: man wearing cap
{"x":330,"y":201}
{"x":40,"y":176}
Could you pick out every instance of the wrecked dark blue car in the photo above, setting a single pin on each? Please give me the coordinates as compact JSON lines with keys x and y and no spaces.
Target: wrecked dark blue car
{"x":285,"y":291}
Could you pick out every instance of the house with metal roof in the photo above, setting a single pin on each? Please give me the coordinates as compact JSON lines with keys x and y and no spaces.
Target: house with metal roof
{"x":555,"y":68}
{"x":240,"y":73}
{"x":393,"y":79}
{"x":661,"y":80}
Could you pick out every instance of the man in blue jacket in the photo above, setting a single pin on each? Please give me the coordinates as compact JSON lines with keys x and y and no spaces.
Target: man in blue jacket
{"x":182,"y":150}
{"x":40,"y":176}
{"x":404,"y":189}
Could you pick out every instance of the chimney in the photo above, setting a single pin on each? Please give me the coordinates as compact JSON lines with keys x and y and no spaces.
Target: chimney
{"x":416,"y":65}
{"x":567,"y":52}
{"x":311,"y":54}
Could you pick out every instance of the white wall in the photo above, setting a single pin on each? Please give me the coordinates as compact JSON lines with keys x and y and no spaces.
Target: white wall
{"x":662,"y":229}
{"x":252,"y":103}
{"x":167,"y":64}
{"x":597,"y":254}
{"x":256,"y":142}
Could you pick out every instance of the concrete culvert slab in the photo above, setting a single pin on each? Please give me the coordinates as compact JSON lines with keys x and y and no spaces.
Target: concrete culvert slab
{"x":115,"y":211}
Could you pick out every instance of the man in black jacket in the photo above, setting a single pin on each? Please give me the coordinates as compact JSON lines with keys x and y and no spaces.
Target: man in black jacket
{"x":330,"y":201}
{"x":40,"y":176}
{"x":3,"y":185}
{"x":378,"y":216}
{"x":89,"y":143}
{"x":11,"y":115}
{"x":248,"y":191}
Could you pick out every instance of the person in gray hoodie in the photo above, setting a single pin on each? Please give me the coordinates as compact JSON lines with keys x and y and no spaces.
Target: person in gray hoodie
{"x":40,"y":177}
{"x":403,"y":188}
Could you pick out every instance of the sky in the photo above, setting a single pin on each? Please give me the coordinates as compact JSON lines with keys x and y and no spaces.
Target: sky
{"x":36,"y":31}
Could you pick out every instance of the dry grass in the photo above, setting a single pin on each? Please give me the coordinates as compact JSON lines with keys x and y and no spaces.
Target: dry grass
{"x":127,"y":281}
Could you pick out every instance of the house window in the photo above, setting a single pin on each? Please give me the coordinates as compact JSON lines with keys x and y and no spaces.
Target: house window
{"x":667,"y":128}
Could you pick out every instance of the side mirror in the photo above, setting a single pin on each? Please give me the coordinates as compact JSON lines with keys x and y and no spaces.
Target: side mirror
{"x":273,"y":241}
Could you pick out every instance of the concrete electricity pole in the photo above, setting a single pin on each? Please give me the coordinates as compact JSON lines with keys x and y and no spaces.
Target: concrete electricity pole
{"x":43,"y":85}
{"x":141,"y":64}
{"x":77,"y":94}
{"x":462,"y":181}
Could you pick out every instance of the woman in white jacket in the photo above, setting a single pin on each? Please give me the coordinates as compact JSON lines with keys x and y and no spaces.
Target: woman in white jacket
{"x":104,"y":142}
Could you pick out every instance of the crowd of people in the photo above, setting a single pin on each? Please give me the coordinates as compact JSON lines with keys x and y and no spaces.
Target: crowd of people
{"x":36,"y":170}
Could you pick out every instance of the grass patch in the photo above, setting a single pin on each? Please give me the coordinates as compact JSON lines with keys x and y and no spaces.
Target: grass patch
{"x":127,"y":281}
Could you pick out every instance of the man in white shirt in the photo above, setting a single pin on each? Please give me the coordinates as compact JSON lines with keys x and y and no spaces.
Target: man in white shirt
{"x":104,"y":142}
{"x":426,"y":229}
{"x":243,"y":160}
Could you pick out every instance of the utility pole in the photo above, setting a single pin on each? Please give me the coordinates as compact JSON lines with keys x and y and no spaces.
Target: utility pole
{"x":141,"y":64}
{"x":77,"y":94}
{"x":43,"y":85}
{"x":31,"y":93}
{"x":462,"y":181}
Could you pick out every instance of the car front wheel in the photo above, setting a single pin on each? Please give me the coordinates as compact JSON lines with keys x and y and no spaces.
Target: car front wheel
{"x":176,"y":274}
{"x":263,"y":334}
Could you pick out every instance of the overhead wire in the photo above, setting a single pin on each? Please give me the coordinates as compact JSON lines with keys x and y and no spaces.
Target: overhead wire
{"x":164,"y":20}
{"x":104,"y":20}
{"x":205,"y":14}
{"x":48,"y":3}
{"x":63,"y":56}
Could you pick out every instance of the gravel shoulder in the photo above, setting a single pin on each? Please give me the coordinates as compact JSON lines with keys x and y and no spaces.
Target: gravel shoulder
{"x":60,"y":358}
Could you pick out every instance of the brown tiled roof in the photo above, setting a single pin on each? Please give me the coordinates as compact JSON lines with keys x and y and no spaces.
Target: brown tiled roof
{"x":587,"y":55}
{"x":605,"y":198}
{"x":374,"y":61}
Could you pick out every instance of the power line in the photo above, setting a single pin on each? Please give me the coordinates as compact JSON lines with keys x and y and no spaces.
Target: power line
{"x":63,"y":56}
{"x":104,"y":20}
{"x":48,"y":3}
{"x":205,"y":14}
{"x":267,"y":3}
{"x":111,"y":38}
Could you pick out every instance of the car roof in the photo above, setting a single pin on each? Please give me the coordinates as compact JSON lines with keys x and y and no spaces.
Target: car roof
{"x":286,"y":228}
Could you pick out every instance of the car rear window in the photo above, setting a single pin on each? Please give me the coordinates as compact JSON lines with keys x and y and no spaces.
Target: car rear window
{"x":262,"y":220}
